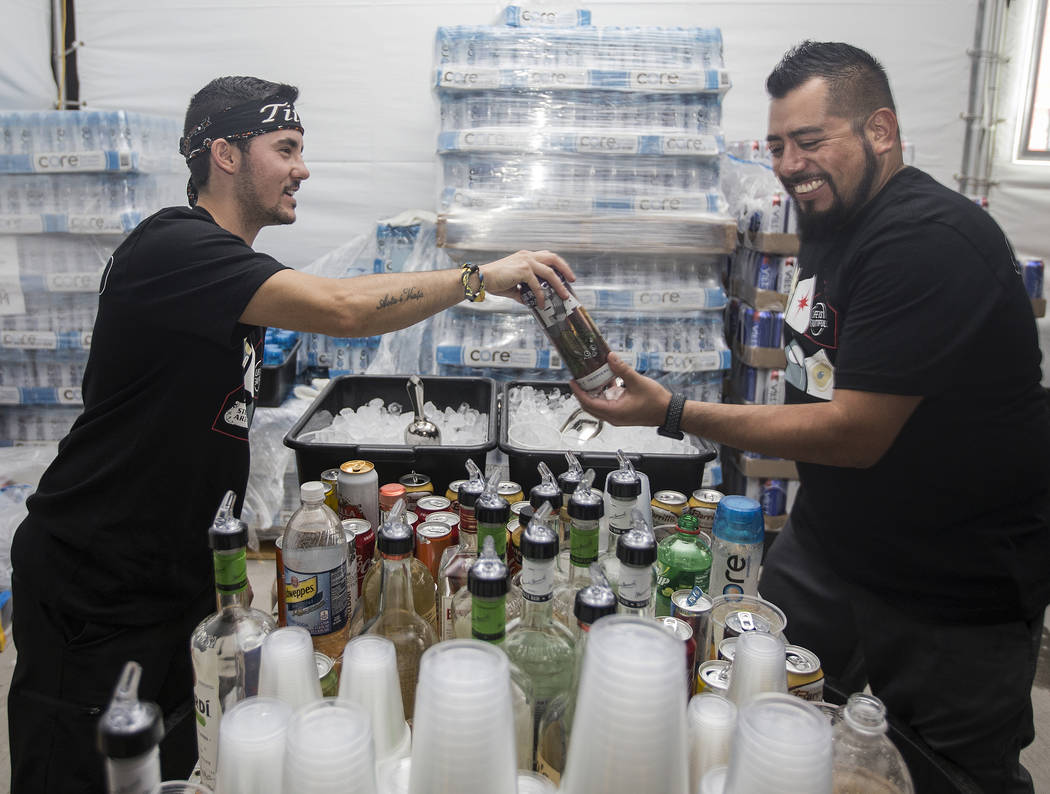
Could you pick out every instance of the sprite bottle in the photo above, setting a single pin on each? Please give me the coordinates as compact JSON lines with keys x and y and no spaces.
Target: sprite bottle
{"x":682,"y":561}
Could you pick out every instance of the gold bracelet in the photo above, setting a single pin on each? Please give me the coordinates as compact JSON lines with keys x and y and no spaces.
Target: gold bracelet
{"x":467,"y":270}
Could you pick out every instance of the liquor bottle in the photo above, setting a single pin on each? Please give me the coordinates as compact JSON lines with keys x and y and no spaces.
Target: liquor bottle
{"x":397,"y":619}
{"x":863,"y":757}
{"x":585,"y":509}
{"x":736,"y":553}
{"x":684,"y":560}
{"x":487,"y":585}
{"x":456,"y":560}
{"x":226,"y":647}
{"x":316,"y":590}
{"x":488,"y":509}
{"x":541,"y":647}
{"x":568,"y":481}
{"x":549,"y":491}
{"x":129,"y":733}
{"x":636,"y":552}
{"x":622,"y":487}
{"x":552,"y":748}
{"x":423,"y":596}
{"x":574,"y":334}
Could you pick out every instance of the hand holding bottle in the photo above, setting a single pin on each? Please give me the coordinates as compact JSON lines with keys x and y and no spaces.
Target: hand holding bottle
{"x":641,"y":402}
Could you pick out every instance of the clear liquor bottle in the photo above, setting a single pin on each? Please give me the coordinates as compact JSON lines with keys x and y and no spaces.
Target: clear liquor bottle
{"x":456,"y":560}
{"x":636,"y":553}
{"x":568,"y":482}
{"x":316,"y":587}
{"x":623,"y":487}
{"x":585,"y":510}
{"x":397,"y":619}
{"x":488,"y":509}
{"x":226,"y":647}
{"x":552,"y":748}
{"x":683,"y":560}
{"x":423,"y":596}
{"x":541,"y":647}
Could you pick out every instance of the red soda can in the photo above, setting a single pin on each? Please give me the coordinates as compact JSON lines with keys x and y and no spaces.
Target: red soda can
{"x":426,"y":505}
{"x":432,"y":538}
{"x":388,"y":496}
{"x":412,"y":519}
{"x":364,"y":546}
{"x":684,"y":632}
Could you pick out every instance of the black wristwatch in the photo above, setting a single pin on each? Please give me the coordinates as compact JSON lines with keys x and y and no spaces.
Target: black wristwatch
{"x":673,"y":420}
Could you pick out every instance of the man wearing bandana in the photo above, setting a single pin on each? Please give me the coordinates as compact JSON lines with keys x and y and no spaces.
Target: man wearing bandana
{"x":917,"y":554}
{"x":112,"y":564}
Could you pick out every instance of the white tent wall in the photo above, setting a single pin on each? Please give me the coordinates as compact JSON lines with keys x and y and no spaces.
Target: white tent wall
{"x":365,"y":74}
{"x":26,"y":79}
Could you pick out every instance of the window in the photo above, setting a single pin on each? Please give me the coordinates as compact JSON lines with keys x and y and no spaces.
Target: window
{"x":1034,"y":143}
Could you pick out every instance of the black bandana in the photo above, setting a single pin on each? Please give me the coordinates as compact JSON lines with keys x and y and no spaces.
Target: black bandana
{"x":237,"y":123}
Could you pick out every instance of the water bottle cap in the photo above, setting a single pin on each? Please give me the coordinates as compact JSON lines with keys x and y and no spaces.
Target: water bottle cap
{"x":636,"y":547}
{"x":311,"y":492}
{"x":738,"y":519}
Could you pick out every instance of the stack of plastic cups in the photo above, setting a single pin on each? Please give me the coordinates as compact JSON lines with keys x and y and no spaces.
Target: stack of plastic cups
{"x":369,"y":678}
{"x":714,"y":781}
{"x":329,"y":750}
{"x":759,"y":666}
{"x":782,"y":745}
{"x":393,"y":777}
{"x":288,"y":670}
{"x":251,"y":747}
{"x":629,"y":731}
{"x":464,"y":725}
{"x":534,"y":783}
{"x":712,"y":720}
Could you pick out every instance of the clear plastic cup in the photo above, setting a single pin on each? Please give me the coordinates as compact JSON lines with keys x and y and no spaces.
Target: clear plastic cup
{"x":329,"y":743}
{"x":463,"y":731}
{"x":392,"y":777}
{"x":287,"y":669}
{"x":180,"y":787}
{"x":369,"y":678}
{"x":629,"y":731}
{"x":758,"y":667}
{"x":252,"y":738}
{"x":782,"y":744}
{"x":714,"y":781}
{"x":534,"y":783}
{"x":712,"y":720}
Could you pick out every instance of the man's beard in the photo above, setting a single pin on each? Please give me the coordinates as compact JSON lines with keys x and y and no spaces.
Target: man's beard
{"x":252,"y":208}
{"x":817,"y":225}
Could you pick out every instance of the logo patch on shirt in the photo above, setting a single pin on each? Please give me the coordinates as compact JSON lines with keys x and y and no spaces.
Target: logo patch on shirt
{"x":238,"y":408}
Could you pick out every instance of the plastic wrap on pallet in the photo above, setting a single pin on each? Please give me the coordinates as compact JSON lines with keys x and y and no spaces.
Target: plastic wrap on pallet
{"x":699,"y":233}
{"x":515,"y":140}
{"x":756,"y":197}
{"x":42,"y":371}
{"x":35,"y":425}
{"x":761,"y":271}
{"x":697,"y":114}
{"x":84,"y":203}
{"x":608,"y":49}
{"x":666,"y":205}
{"x":71,"y":141}
{"x":52,"y":263}
{"x":64,"y":313}
{"x":527,"y":16}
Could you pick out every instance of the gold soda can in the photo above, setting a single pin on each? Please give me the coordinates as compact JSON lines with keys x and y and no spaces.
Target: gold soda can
{"x":702,"y":504}
{"x":327,"y":674}
{"x":668,"y":506}
{"x":330,"y":478}
{"x":805,"y":676}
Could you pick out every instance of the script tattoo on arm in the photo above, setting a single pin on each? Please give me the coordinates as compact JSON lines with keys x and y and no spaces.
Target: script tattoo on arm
{"x":407,"y":294}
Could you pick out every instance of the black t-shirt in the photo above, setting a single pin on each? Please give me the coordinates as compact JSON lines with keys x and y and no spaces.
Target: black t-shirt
{"x":118,"y":529}
{"x":919,"y":295}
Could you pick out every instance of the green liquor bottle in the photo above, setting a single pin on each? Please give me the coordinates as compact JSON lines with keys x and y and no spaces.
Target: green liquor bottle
{"x":586,"y":507}
{"x":683,"y":560}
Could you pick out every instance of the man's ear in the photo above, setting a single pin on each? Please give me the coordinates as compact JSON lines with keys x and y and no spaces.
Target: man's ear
{"x":224,"y":155}
{"x":881,"y":130}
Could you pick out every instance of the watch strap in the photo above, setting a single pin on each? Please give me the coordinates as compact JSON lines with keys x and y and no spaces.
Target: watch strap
{"x":673,"y":420}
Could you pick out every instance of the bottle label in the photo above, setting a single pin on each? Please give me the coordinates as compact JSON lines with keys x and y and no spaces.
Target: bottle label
{"x":208,"y":711}
{"x":448,"y":628}
{"x":636,"y":586}
{"x":537,"y":580}
{"x":583,"y":549}
{"x":599,"y":377}
{"x":231,"y":572}
{"x":498,"y":533}
{"x":620,"y":515}
{"x":734,"y":570}
{"x":669,"y":579}
{"x":488,"y":618}
{"x":317,"y":601}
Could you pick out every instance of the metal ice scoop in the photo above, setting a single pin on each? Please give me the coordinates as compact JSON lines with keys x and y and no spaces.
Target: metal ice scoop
{"x":421,"y":431}
{"x":582,"y":426}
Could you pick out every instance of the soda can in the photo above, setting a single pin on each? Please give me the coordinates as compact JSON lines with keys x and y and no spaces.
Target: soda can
{"x":416,"y":486}
{"x":697,"y":614}
{"x":744,"y":620}
{"x":432,"y":538}
{"x":713,"y":676}
{"x":805,"y":676}
{"x":764,"y":331}
{"x":775,"y":390}
{"x":450,"y":518}
{"x":510,"y":491}
{"x":452,"y":494}
{"x":749,"y":388}
{"x":684,"y":632}
{"x":727,"y":649}
{"x":363,"y":536}
{"x":411,"y":518}
{"x":668,"y":506}
{"x":327,"y":674}
{"x":388,"y":496}
{"x":359,"y":491}
{"x":746,"y":324}
{"x":774,"y":497}
{"x":430,"y":504}
{"x":702,"y":504}
{"x":282,"y":609}
{"x":766,"y":272}
{"x":330,"y":478}
{"x":1032,"y":273}
{"x":786,"y":274}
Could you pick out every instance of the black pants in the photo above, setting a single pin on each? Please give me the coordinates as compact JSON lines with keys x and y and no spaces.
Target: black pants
{"x":965,"y":690}
{"x":64,"y":677}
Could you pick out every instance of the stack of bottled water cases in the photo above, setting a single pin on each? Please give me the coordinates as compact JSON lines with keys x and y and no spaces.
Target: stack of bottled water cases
{"x":72,"y":183}
{"x":327,"y":356}
{"x":602,"y":144}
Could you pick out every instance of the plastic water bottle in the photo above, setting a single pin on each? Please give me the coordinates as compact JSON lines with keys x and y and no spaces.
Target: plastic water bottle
{"x":739,"y":532}
{"x":129,"y":733}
